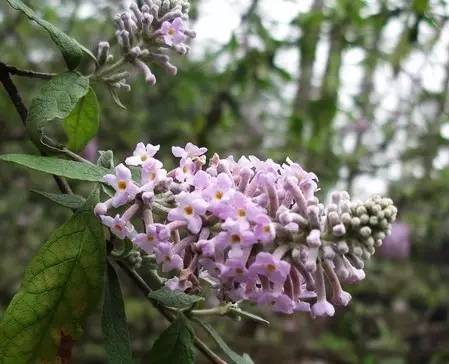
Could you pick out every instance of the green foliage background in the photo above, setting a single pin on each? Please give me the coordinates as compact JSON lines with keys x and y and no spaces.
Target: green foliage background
{"x":237,"y":98}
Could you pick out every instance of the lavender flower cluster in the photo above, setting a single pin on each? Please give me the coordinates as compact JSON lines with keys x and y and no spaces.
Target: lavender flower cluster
{"x":143,"y":33}
{"x":254,"y":229}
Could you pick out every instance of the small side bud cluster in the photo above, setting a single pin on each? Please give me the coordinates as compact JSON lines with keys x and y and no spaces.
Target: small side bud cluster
{"x":252,"y":229}
{"x":143,"y":33}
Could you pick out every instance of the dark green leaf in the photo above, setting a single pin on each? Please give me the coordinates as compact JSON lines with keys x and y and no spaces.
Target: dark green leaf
{"x":58,"y":167}
{"x":235,"y":358}
{"x":175,"y":299}
{"x":56,"y":100}
{"x":175,"y":345}
{"x":71,"y":201}
{"x":61,"y":286}
{"x":71,"y":50}
{"x":82,"y":123}
{"x":114,"y":323}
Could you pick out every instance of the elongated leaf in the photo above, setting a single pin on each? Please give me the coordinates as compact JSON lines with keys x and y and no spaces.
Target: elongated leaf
{"x":73,"y":202}
{"x":235,"y":358}
{"x":61,"y":286}
{"x":115,"y":328}
{"x":58,"y":167}
{"x":175,"y":345}
{"x":82,"y":123}
{"x":71,"y":50}
{"x":56,"y":100}
{"x":175,"y":299}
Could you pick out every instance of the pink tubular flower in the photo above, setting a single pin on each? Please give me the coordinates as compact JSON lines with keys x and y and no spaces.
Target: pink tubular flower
{"x":142,"y":154}
{"x":278,"y":302}
{"x":123,"y":185}
{"x":165,"y":256}
{"x":173,"y":33}
{"x":186,"y":171}
{"x":189,"y":151}
{"x":149,"y":240}
{"x":119,"y":226}
{"x":190,"y":209}
{"x":152,"y":174}
{"x":218,"y":191}
{"x":237,"y":236}
{"x":264,"y":230}
{"x":267,"y":265}
{"x":240,"y":208}
{"x":235,"y":269}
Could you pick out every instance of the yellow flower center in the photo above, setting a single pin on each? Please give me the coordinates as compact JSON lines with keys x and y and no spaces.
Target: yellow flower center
{"x":152,"y":176}
{"x":143,"y":157}
{"x":271,"y":268}
{"x":171,"y":31}
{"x":122,"y":185}
{"x":219,"y":195}
{"x":188,"y":210}
{"x":235,"y":238}
{"x":266,"y":229}
{"x":241,"y":212}
{"x":239,"y":270}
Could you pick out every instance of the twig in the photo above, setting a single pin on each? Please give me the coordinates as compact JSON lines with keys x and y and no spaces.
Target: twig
{"x":12,"y":70}
{"x":13,"y":93}
{"x":143,"y":286}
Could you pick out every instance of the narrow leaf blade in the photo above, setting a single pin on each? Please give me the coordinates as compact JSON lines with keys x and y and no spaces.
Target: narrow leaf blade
{"x":175,"y":299}
{"x":114,"y":323}
{"x":235,"y":358}
{"x":58,"y":167}
{"x":61,"y":286}
{"x":174,"y":345}
{"x":73,"y":202}
{"x":83,"y":122}
{"x":71,"y":50}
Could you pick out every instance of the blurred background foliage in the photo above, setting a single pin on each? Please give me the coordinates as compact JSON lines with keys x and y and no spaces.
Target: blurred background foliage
{"x":355,"y":90}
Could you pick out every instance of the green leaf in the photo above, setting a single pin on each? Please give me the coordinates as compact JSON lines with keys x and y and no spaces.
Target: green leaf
{"x":175,"y":299}
{"x":61,"y":286}
{"x":106,"y":159}
{"x":71,"y":50}
{"x":58,"y":167}
{"x":114,"y":323}
{"x":82,"y":123}
{"x":56,"y":100}
{"x":235,"y":358}
{"x":174,"y":345}
{"x":71,"y":201}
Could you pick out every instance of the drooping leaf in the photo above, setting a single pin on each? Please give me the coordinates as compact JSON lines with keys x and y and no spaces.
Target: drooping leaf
{"x":175,"y":299}
{"x":61,"y":286}
{"x":114,"y":324}
{"x":82,"y":123}
{"x":71,"y":201}
{"x":175,"y":344}
{"x":58,"y":167}
{"x":56,"y":100}
{"x":235,"y":358}
{"x":71,"y":50}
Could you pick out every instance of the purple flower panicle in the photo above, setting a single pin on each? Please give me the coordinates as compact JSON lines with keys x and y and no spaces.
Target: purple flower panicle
{"x":253,"y":229}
